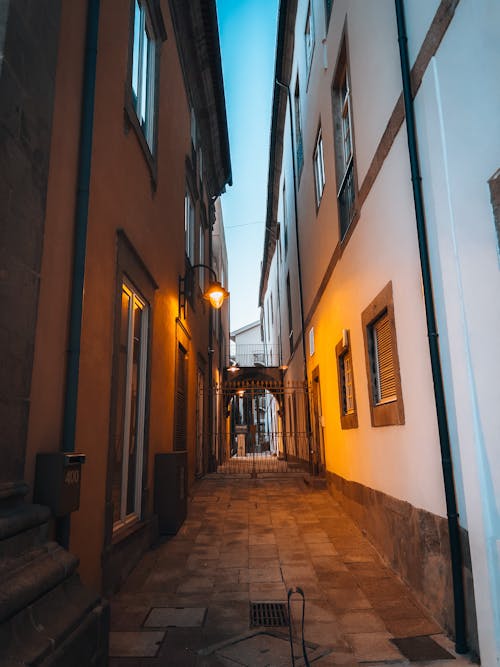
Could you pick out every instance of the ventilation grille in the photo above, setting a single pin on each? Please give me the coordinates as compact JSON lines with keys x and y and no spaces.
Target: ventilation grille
{"x":268,"y":614}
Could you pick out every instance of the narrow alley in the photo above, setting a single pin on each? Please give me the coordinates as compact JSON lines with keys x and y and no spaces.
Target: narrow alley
{"x":248,"y":541}
{"x":249,"y":359}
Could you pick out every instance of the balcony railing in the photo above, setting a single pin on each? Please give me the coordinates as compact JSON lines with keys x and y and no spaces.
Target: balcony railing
{"x":255,"y":355}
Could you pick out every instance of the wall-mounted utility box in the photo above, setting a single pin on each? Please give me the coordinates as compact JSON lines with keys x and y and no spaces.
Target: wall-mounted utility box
{"x":170,"y":491}
{"x":57,"y":481}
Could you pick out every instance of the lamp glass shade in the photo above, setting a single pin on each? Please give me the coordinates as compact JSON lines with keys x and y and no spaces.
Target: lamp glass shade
{"x":216,"y":294}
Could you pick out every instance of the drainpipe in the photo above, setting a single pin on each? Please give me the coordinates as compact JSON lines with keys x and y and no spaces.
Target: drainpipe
{"x":80,"y":243}
{"x":313,"y":465}
{"x":437,"y":376}
{"x":278,"y":264}
{"x":212,"y":462}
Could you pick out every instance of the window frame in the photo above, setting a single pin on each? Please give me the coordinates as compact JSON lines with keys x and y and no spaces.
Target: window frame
{"x":319,"y":168}
{"x":343,"y":133}
{"x":309,"y":37}
{"x":298,"y":134}
{"x":131,"y":517}
{"x":132,"y":272}
{"x":343,"y":351}
{"x":285,"y":220}
{"x":152,"y":21}
{"x":290,"y":313}
{"x":201,"y":256}
{"x":390,"y":411}
{"x":190,"y":227}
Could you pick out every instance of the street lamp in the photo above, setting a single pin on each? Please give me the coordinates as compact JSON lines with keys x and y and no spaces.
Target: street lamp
{"x":215,"y":292}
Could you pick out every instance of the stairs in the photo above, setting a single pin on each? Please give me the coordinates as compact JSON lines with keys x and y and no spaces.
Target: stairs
{"x":47,"y":616}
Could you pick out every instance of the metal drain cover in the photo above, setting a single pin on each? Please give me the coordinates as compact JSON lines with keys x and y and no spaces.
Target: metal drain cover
{"x":421,"y":648}
{"x":268,"y":615}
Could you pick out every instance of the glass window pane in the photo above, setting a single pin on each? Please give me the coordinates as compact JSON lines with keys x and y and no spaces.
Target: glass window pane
{"x":118,"y":439}
{"x":135,"y":54}
{"x":144,"y":79}
{"x":135,"y":397}
{"x":149,"y":93}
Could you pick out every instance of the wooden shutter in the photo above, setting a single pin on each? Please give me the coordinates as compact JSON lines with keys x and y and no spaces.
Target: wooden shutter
{"x":385,"y":376}
{"x":347,"y":383}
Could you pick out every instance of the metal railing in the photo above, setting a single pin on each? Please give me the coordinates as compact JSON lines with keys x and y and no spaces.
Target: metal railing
{"x":255,"y":355}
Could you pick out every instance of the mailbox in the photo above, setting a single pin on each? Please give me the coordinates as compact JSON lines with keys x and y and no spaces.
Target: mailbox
{"x":170,"y":491}
{"x":57,"y":481}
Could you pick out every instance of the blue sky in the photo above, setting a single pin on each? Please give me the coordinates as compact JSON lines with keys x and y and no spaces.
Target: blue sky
{"x":247,"y":36}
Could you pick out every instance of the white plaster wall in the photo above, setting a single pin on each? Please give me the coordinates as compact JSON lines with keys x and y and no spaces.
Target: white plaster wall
{"x":460,"y":150}
{"x":419,"y":15}
{"x":376,"y":85}
{"x":402,"y":461}
{"x":249,"y":337}
{"x":375,"y":74}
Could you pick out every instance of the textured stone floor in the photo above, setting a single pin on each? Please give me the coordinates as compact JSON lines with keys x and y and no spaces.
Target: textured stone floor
{"x":187,"y":602}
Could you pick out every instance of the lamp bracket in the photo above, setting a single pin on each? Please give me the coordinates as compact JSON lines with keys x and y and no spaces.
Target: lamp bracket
{"x":184,"y":284}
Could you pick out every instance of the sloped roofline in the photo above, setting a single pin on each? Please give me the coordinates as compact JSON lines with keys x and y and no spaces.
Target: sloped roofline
{"x":197,"y":37}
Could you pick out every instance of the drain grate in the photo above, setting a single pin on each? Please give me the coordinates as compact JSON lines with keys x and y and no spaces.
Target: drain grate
{"x":421,"y":648}
{"x":268,"y":614}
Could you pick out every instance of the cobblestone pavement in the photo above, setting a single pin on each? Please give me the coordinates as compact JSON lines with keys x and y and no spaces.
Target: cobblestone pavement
{"x":187,"y":603}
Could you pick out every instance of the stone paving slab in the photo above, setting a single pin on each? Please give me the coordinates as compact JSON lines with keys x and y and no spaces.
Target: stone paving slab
{"x":134,"y":644}
{"x":248,"y":540}
{"x":177,"y":617}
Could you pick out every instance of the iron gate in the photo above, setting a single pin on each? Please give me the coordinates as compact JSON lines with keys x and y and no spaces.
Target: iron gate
{"x":261,"y":427}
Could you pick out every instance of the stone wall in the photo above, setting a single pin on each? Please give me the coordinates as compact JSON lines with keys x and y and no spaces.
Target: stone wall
{"x":29,"y":36}
{"x":416,"y":545}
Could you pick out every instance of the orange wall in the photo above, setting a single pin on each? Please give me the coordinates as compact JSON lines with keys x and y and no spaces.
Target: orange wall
{"x":121,"y":197}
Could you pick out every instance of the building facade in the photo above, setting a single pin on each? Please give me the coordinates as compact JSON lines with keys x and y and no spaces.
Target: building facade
{"x":361,"y":264}
{"x":114,"y":150}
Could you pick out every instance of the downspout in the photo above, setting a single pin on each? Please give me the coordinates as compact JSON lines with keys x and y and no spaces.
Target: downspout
{"x":278,"y":277}
{"x":437,"y":376}
{"x":80,"y":243}
{"x":313,"y":465}
{"x":212,"y":463}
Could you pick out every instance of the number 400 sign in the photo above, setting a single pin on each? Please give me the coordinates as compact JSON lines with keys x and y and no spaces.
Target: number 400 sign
{"x":72,"y":477}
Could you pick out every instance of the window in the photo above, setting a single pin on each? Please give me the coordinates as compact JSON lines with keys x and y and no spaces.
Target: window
{"x":189,"y":227}
{"x":299,"y":148}
{"x":194,"y":144}
{"x":201,"y":258}
{"x":309,"y":37}
{"x":319,"y":169}
{"x":347,"y":399}
{"x":285,"y":221}
{"x":382,"y":363}
{"x":180,"y":432}
{"x":383,"y":373}
{"x":200,"y":166}
{"x":290,"y":320}
{"x":130,"y":393}
{"x":144,"y":74}
{"x":311,"y":341}
{"x":344,"y":146}
{"x":194,"y":130}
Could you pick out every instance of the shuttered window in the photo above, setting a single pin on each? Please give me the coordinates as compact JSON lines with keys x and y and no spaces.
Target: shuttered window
{"x":347,"y":386}
{"x":347,"y":395}
{"x":382,"y":362}
{"x":384,"y":375}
